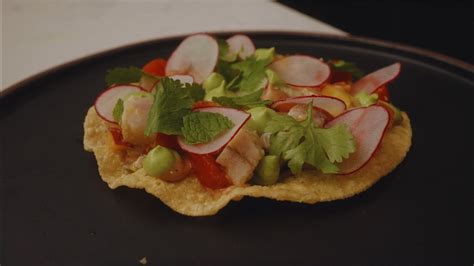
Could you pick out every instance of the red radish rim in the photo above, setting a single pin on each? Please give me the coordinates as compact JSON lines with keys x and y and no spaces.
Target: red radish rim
{"x":394,"y":77}
{"x":326,"y":113}
{"x":199,"y":33}
{"x":312,"y":57}
{"x":154,"y":85}
{"x":378,"y":144}
{"x":245,"y":36}
{"x":230,"y":139}
{"x":237,"y":131}
{"x":312,"y":96}
{"x":108,"y":89}
{"x":386,"y":82}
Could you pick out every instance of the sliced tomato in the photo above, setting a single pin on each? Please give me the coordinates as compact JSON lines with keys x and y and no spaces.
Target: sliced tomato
{"x":168,"y":141}
{"x":383,"y":94}
{"x":209,"y":173}
{"x":155,"y":67}
{"x":201,"y":104}
{"x":118,"y":137}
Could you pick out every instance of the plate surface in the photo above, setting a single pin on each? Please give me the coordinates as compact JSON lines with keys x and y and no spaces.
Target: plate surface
{"x":57,"y":211}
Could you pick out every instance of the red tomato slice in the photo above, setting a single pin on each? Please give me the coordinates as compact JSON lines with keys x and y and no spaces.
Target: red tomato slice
{"x":118,"y":138}
{"x":383,"y":94}
{"x":209,"y":173}
{"x":155,"y":67}
{"x":168,"y":141}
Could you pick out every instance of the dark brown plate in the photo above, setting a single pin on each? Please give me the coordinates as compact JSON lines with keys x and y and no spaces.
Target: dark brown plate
{"x":57,"y":211}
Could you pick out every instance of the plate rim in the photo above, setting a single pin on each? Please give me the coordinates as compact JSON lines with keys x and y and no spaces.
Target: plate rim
{"x":442,"y":58}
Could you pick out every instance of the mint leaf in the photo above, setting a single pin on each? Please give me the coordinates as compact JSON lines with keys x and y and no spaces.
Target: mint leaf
{"x":344,"y":66}
{"x":303,"y":142}
{"x":123,"y":75}
{"x":202,"y":127}
{"x":118,"y":111}
{"x":243,"y":102}
{"x":171,"y":103}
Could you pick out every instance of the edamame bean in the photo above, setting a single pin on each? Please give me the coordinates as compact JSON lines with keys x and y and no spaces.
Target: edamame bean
{"x":159,"y":161}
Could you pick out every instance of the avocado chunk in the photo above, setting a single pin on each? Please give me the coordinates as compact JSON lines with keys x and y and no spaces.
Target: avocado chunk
{"x":268,"y":170}
{"x":159,"y":160}
{"x":260,"y":116}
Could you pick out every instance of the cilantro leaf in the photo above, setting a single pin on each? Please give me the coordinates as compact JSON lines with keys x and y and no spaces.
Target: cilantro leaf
{"x":344,"y":66}
{"x":247,"y":101}
{"x":303,"y":142}
{"x":223,"y":47}
{"x":171,"y":103}
{"x":224,"y":51}
{"x":337,"y":142}
{"x":233,"y":84}
{"x":285,"y":140}
{"x":196,"y":92}
{"x":253,"y":73}
{"x":118,"y":110}
{"x":123,"y":75}
{"x":202,"y":127}
{"x":281,"y":123}
{"x":310,"y":152}
{"x":225,"y":69}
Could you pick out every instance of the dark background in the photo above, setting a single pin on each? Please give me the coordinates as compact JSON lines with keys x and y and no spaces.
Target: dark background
{"x":445,"y":27}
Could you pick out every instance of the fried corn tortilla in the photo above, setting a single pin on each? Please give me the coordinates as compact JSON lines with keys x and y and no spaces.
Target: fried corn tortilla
{"x":189,"y":197}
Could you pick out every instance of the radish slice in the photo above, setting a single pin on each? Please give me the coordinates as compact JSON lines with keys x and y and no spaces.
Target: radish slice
{"x":301,"y":70}
{"x":241,"y":45}
{"x":183,"y":78}
{"x":377,"y":79}
{"x":368,"y":125}
{"x":196,"y":56}
{"x":236,"y":116}
{"x":331,"y":105}
{"x":105,"y":103}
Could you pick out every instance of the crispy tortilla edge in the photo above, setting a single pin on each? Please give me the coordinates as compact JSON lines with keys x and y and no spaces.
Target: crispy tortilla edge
{"x":188,"y":197}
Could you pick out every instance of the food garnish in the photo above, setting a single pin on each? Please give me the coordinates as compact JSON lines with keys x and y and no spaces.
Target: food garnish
{"x":221,"y":119}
